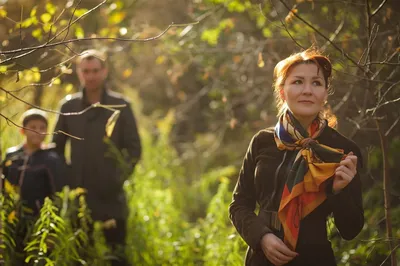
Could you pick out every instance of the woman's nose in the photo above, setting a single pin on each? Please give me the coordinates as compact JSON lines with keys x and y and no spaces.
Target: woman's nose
{"x":307,"y":88}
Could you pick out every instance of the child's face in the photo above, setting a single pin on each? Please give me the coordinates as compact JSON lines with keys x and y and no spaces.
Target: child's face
{"x":34,"y":138}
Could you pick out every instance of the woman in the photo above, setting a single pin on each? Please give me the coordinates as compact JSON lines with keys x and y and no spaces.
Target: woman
{"x":298,"y":174}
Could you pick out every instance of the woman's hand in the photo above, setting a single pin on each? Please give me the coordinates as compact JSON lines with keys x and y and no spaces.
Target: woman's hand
{"x":275,"y":250}
{"x":345,"y":172}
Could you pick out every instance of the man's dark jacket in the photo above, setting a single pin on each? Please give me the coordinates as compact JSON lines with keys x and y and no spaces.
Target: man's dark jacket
{"x":98,"y":163}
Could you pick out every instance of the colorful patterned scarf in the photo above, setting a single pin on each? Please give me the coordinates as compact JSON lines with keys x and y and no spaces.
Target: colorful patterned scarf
{"x":314,"y":163}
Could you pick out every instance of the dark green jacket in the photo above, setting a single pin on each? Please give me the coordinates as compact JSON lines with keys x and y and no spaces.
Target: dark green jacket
{"x":95,"y":164}
{"x":261,"y":181}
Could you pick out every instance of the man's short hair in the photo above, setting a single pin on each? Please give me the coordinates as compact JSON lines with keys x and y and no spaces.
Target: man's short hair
{"x":34,"y":114}
{"x":92,"y":54}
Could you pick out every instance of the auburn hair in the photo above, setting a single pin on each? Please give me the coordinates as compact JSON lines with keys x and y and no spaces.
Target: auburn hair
{"x":282,"y":71}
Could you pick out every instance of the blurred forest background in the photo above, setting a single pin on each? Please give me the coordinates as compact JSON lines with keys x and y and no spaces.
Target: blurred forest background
{"x":200,"y":92}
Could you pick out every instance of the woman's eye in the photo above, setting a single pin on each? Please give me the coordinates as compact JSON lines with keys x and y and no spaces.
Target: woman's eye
{"x":297,"y":82}
{"x":317,"y":83}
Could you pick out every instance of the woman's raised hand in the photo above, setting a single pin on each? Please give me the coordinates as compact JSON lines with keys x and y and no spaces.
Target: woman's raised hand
{"x":345,"y":172}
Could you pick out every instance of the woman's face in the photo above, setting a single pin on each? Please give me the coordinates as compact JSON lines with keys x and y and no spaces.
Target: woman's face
{"x":305,"y":92}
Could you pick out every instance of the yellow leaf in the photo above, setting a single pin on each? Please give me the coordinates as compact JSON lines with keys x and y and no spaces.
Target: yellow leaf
{"x":127,"y":73}
{"x":111,"y":123}
{"x":3,"y":12}
{"x":36,"y":76}
{"x":50,"y":8}
{"x":45,"y":17}
{"x":37,"y":33}
{"x":160,"y":59}
{"x":3,"y":69}
{"x":11,"y":217}
{"x":117,"y":17}
{"x":10,"y":188}
{"x":260,"y":62}
{"x":290,"y":16}
{"x":33,"y":11}
{"x":80,"y":191}
{"x":56,"y":81}
{"x":68,"y":88}
{"x":8,"y":163}
{"x":79,"y":33}
{"x":80,"y":12}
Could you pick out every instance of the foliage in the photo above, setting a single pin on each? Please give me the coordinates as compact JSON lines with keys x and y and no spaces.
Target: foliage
{"x":207,"y":86}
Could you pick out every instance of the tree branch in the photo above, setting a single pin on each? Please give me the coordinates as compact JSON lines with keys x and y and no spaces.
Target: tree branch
{"x":325,"y":37}
{"x":378,"y":8}
{"x":46,"y":45}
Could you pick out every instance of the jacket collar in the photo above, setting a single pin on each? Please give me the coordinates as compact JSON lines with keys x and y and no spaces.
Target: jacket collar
{"x":103,"y":98}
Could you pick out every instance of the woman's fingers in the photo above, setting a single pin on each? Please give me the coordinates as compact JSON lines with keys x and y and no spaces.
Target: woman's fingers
{"x":344,"y":175}
{"x":350,"y":162}
{"x":275,"y":250}
{"x":285,"y":251}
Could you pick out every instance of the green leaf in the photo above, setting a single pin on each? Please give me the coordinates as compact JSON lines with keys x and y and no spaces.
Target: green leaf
{"x":45,"y":17}
{"x":3,"y":69}
{"x":211,"y":36}
{"x":236,"y":6}
{"x":267,"y":32}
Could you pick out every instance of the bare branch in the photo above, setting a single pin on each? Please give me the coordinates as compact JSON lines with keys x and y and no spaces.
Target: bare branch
{"x":394,"y":124}
{"x":70,"y":19}
{"x":283,"y":24}
{"x":95,"y":105}
{"x":383,"y":63}
{"x":325,"y":37}
{"x":38,"y":84}
{"x":10,"y":122}
{"x":334,"y":35}
{"x":378,"y":8}
{"x":46,"y":45}
{"x":373,"y":110}
{"x":31,"y":50}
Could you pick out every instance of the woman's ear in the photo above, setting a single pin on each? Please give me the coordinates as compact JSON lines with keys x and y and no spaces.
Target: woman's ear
{"x":282,"y":94}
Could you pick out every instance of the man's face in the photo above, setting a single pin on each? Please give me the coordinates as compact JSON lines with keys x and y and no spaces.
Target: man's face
{"x":92,"y":74}
{"x":33,"y":138}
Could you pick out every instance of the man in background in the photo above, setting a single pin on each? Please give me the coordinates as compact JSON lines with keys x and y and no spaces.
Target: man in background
{"x":102,"y":161}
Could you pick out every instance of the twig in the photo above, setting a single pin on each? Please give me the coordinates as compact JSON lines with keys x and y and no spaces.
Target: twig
{"x":325,"y":37}
{"x":334,"y":35}
{"x":9,"y":121}
{"x":70,"y":19}
{"x":38,"y":84}
{"x":284,"y":25}
{"x":383,"y":104}
{"x":394,"y":124}
{"x":378,"y":8}
{"x":46,"y":45}
{"x":95,"y":105}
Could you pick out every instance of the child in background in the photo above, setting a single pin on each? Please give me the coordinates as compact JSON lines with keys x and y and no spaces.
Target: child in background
{"x":33,"y":169}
